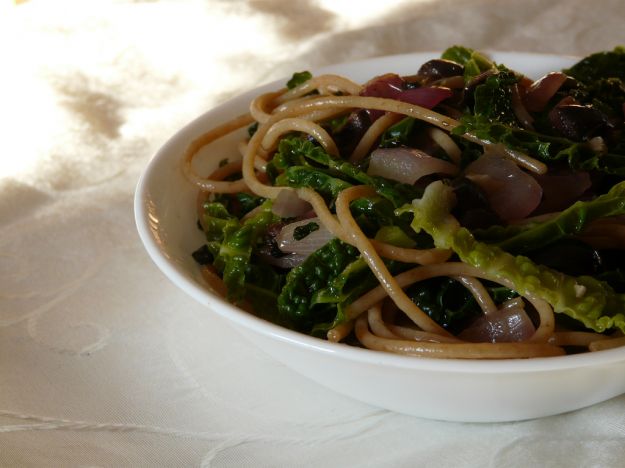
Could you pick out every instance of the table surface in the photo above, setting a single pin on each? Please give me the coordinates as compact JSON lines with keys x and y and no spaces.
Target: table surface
{"x":103,"y":361}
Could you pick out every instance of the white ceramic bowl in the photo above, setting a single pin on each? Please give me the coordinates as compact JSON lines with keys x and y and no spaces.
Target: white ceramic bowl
{"x":456,"y":390}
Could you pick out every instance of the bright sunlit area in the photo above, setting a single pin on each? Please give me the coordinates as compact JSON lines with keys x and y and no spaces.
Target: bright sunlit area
{"x":84,"y":82}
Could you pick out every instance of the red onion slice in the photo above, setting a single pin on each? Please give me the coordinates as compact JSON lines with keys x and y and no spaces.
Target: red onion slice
{"x":565,"y":101}
{"x":539,"y":94}
{"x":511,"y":192}
{"x":407,"y":165}
{"x":561,"y":189}
{"x":288,"y":261}
{"x":428,"y":97}
{"x":384,"y":86}
{"x":288,"y":205}
{"x":391,"y":86}
{"x":510,"y":323}
{"x":313,"y":241}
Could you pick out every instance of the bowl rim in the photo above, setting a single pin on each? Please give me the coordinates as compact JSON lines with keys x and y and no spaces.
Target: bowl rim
{"x":144,"y":218}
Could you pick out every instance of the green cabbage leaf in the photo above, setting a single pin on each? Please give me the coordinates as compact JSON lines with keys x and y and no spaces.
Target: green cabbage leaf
{"x":584,"y":298}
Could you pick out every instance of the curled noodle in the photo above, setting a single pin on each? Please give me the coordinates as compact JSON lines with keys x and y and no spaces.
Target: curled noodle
{"x":408,"y":329}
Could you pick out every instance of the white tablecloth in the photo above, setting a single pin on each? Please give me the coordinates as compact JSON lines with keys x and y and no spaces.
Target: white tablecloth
{"x":103,"y":362}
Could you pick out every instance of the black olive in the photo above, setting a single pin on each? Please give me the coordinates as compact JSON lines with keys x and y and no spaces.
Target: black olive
{"x":437,"y":69}
{"x":613,"y":259}
{"x":348,"y":136}
{"x":577,"y":122}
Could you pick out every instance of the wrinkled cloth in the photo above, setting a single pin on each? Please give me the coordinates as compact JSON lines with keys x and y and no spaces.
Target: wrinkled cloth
{"x":103,"y":361}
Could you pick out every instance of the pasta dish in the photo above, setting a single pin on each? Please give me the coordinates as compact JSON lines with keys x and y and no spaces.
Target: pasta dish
{"x":465,"y":211}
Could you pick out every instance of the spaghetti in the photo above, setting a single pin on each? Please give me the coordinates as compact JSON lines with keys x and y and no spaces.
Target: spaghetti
{"x":355,"y":268}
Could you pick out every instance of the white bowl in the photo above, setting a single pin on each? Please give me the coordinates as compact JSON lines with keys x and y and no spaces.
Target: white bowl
{"x":455,"y":390}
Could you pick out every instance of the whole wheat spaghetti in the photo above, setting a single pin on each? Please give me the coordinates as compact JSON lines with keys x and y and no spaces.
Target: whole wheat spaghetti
{"x":333,"y":216}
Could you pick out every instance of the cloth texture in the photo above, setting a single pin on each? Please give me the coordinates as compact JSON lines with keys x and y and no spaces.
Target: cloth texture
{"x":103,"y":361}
